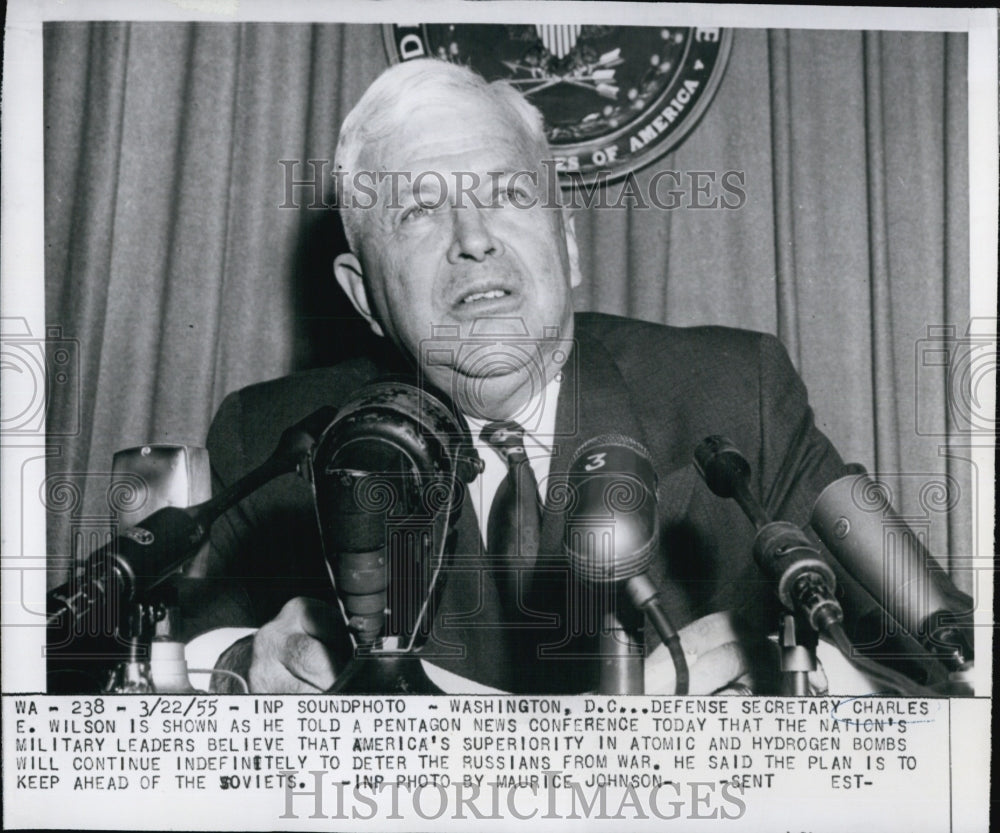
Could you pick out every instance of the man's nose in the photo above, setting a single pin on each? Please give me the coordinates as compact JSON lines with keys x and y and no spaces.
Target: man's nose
{"x":471,"y":236}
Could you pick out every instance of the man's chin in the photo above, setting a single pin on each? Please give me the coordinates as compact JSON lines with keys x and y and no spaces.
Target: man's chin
{"x":493,"y":396}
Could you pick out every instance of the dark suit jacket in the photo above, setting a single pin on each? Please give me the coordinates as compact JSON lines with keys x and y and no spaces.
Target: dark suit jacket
{"x":666,"y":387}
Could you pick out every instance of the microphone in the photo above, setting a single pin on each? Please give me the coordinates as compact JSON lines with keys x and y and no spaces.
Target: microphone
{"x":805,"y":583}
{"x":612,"y":531}
{"x":854,"y":519}
{"x":172,"y":475}
{"x":727,"y":473}
{"x":385,"y":478}
{"x":123,"y":572}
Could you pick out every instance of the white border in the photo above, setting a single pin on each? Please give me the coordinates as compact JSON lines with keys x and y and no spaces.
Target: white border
{"x":747,"y":16}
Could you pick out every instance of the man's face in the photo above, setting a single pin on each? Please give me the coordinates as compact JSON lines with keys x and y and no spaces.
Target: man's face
{"x":455,"y":268}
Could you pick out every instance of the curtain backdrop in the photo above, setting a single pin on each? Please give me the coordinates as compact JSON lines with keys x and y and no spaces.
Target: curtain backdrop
{"x":175,"y":258}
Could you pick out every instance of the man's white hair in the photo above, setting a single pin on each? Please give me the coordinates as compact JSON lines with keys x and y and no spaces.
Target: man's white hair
{"x":397,"y":92}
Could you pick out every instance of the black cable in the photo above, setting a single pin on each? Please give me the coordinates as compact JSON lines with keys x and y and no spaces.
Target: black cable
{"x":658,"y":616}
{"x":879,"y":673}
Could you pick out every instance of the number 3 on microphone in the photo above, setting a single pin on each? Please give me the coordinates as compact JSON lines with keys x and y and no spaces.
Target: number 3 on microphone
{"x":595,"y":461}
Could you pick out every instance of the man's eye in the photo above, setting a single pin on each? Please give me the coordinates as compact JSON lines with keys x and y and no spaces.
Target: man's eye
{"x":513,"y":195}
{"x":415,"y":212}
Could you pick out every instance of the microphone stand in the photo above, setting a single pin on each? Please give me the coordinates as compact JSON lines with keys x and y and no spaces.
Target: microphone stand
{"x":798,"y":655}
{"x":384,"y":672}
{"x":102,"y":621}
{"x":621,"y":648}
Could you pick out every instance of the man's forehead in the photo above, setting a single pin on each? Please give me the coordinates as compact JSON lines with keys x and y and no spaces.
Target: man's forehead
{"x":491,"y":157}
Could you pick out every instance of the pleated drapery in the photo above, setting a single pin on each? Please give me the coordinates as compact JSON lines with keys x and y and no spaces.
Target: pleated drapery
{"x":187,"y":263}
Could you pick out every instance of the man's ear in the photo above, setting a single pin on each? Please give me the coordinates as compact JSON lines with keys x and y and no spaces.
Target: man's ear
{"x":572,"y":251}
{"x":350,"y":276}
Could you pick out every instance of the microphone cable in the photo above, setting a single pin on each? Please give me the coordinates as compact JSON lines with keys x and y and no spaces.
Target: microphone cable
{"x":658,"y":616}
{"x":881,"y":674}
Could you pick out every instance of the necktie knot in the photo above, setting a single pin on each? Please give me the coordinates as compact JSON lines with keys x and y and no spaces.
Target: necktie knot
{"x":507,"y":437}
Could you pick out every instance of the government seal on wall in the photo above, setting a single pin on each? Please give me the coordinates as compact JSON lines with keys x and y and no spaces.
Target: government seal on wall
{"x":614,"y":98}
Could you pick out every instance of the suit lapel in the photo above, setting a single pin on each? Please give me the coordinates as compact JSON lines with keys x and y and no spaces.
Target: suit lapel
{"x":469,"y":539}
{"x":593,"y":400}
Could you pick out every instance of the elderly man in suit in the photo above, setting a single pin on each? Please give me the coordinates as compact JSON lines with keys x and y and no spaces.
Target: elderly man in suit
{"x":448,"y":209}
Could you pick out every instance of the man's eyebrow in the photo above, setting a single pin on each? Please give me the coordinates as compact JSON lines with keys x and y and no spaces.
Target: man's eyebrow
{"x":428,"y":185}
{"x":397,"y":187}
{"x":394,"y":187}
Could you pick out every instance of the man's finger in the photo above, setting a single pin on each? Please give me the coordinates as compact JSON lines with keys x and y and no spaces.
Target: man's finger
{"x":713,"y":652}
{"x":717,"y":668}
{"x":271,"y":677}
{"x":309,"y":660}
{"x":659,"y":674}
{"x":712,"y":670}
{"x":277,"y":680}
{"x":708,"y":632}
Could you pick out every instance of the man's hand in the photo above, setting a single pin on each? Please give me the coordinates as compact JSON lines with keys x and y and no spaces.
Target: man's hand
{"x":714,"y":656}
{"x":720,"y":662}
{"x":301,"y":651}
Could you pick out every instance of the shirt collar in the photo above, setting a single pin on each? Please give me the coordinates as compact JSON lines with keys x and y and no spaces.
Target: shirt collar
{"x":539,"y":423}
{"x":538,"y":445}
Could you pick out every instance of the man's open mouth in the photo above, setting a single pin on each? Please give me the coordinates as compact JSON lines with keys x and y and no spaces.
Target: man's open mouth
{"x":488,"y":295}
